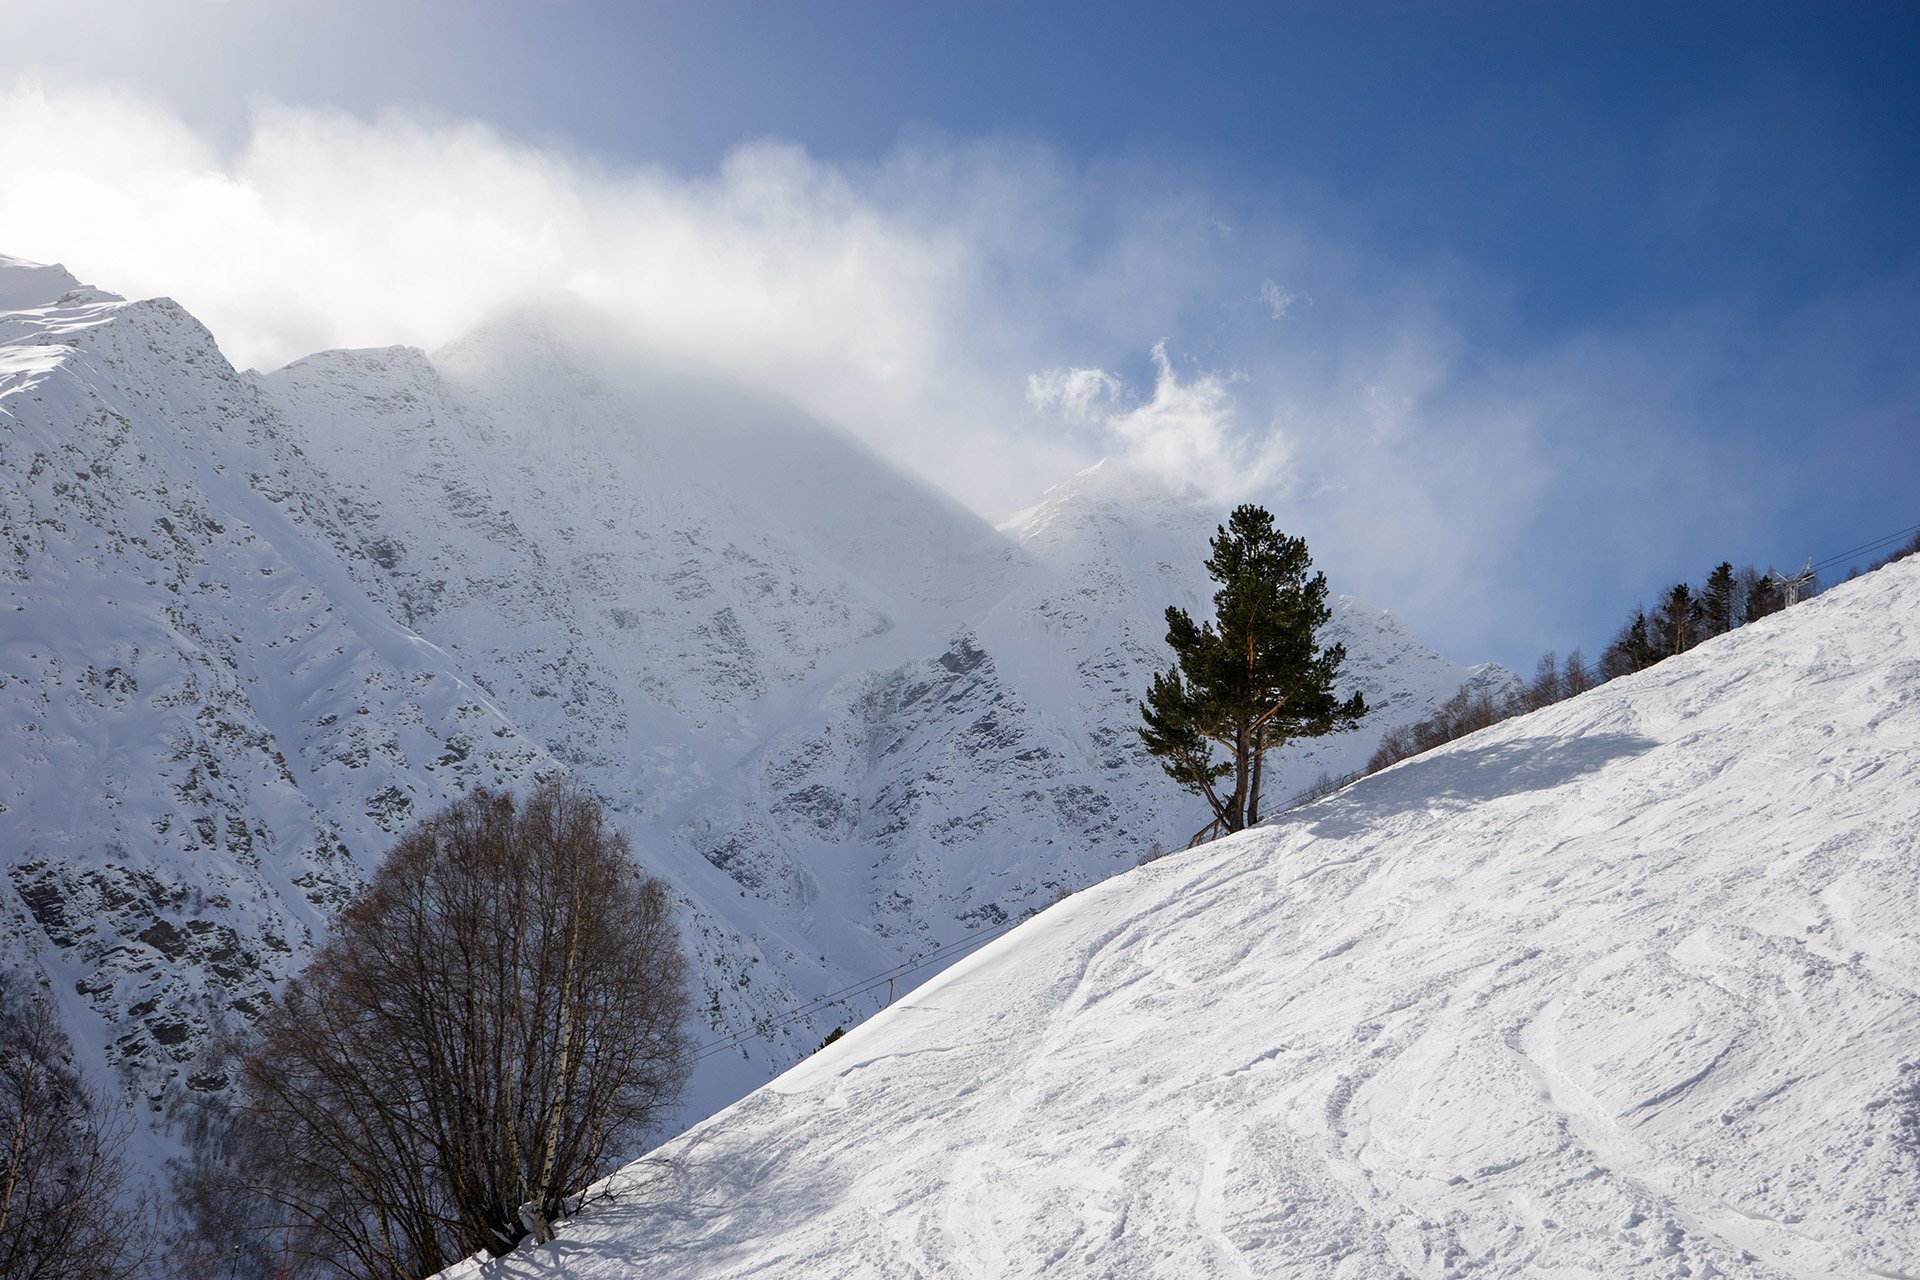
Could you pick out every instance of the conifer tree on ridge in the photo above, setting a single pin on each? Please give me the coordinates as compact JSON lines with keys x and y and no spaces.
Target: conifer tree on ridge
{"x":1253,"y":678}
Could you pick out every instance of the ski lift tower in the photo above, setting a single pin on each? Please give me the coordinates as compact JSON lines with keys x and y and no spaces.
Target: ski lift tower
{"x":1791,"y":585}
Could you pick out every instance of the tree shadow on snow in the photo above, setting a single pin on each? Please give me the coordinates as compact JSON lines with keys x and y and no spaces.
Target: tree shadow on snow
{"x":1458,"y":777}
{"x":709,"y":1202}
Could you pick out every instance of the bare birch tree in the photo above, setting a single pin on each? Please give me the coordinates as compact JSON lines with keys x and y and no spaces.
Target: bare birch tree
{"x":68,"y":1209}
{"x":492,"y":1025}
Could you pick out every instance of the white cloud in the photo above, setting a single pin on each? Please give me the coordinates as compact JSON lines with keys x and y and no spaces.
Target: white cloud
{"x":911,"y":300}
{"x":1075,"y":394}
{"x":1190,"y":430}
{"x":1186,"y":430}
{"x":325,"y":230}
{"x":907,"y":301}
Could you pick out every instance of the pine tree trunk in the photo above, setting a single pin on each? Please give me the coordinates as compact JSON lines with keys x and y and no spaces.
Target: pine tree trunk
{"x":1236,"y":817}
{"x":1253,"y":789}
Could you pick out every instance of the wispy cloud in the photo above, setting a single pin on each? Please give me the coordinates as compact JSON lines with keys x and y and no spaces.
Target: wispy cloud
{"x":1280,"y":299}
{"x":1184,"y":430}
{"x":915,"y":302}
{"x":879,"y":299}
{"x":1076,"y":394}
{"x":986,"y":314}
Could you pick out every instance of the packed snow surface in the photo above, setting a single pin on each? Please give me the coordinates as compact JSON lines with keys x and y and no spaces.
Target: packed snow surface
{"x":1627,"y":987}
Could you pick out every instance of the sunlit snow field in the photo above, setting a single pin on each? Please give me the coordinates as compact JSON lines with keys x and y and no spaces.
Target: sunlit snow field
{"x":1627,"y":987}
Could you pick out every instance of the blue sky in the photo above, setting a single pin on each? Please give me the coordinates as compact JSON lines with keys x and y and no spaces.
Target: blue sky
{"x":1518,"y":311}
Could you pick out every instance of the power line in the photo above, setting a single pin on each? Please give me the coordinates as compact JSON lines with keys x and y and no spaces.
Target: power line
{"x":1438,"y":729}
{"x":1875,"y":545}
{"x":1814,"y":567}
{"x":846,"y":994}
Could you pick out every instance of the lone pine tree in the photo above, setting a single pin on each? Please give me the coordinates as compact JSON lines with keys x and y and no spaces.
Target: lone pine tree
{"x":1253,"y":678}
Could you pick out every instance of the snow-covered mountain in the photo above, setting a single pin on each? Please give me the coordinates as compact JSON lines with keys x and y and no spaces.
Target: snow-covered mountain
{"x":256,"y":624}
{"x":208,"y":729}
{"x":1628,"y":987}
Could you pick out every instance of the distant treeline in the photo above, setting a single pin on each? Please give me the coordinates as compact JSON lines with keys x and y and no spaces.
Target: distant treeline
{"x":1684,"y":616}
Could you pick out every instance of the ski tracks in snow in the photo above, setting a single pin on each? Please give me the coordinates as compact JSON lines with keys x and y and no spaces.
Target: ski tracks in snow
{"x":1621,"y":989}
{"x":1669,"y":1190}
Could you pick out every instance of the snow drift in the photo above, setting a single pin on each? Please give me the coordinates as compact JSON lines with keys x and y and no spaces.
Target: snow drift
{"x":1626,"y":987}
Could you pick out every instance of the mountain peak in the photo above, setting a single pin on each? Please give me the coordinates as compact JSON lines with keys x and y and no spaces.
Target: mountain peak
{"x":1116,"y":480}
{"x":27,"y":285}
{"x":1110,"y":491}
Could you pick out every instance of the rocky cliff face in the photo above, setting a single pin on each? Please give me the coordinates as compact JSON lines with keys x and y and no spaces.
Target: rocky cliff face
{"x":256,"y":624}
{"x":208,"y":729}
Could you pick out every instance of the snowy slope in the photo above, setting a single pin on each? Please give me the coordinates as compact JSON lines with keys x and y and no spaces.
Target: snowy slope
{"x":1628,"y":987}
{"x":254,"y":624}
